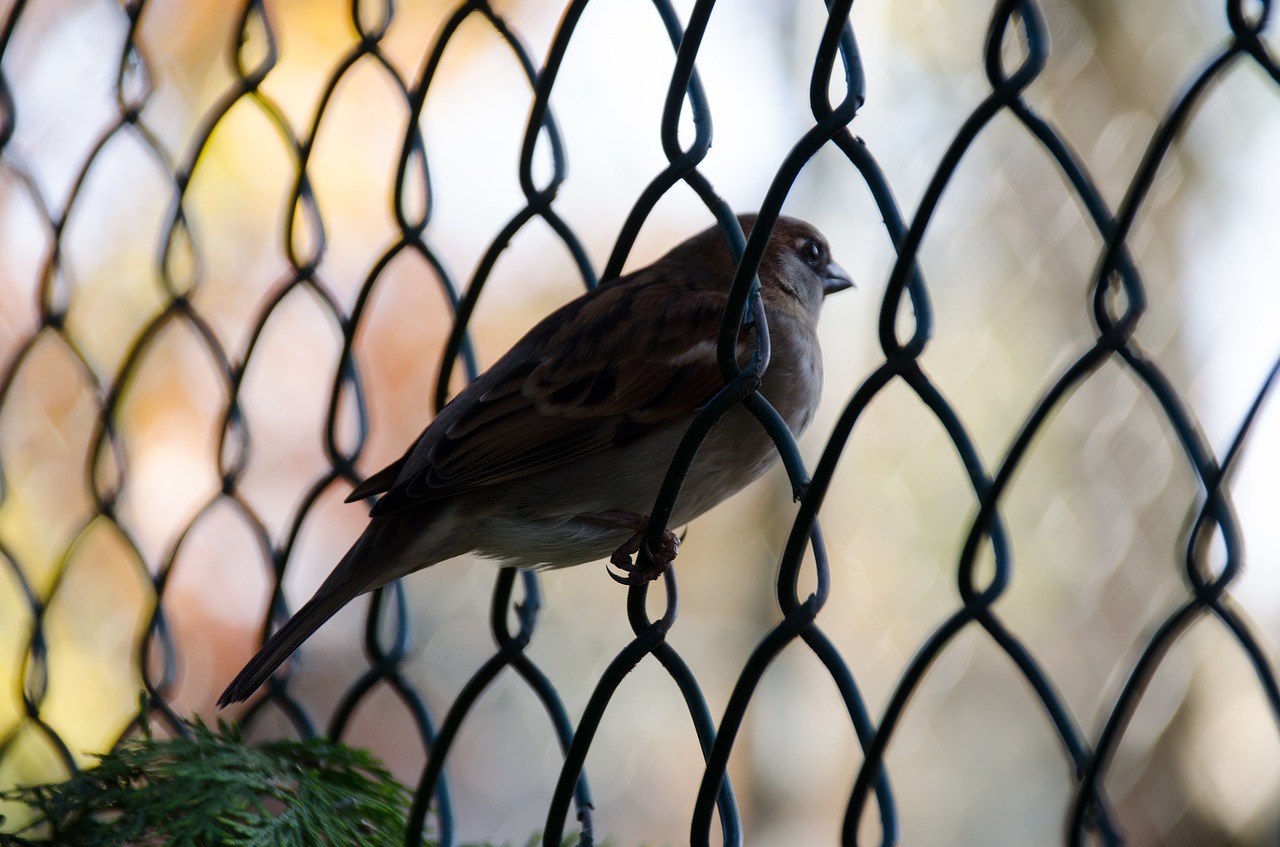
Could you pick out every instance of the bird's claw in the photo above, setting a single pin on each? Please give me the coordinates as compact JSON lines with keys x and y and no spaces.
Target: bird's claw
{"x":659,"y":560}
{"x":633,"y":573}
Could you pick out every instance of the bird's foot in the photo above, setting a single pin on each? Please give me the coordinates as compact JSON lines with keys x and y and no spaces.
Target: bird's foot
{"x":632,"y":572}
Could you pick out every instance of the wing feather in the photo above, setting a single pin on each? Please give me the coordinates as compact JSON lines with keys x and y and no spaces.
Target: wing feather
{"x":630,"y":357}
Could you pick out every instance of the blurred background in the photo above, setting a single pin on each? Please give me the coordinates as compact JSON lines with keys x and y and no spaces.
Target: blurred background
{"x":1097,"y":515}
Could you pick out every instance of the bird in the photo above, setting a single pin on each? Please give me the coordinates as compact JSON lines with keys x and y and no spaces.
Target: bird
{"x":554,"y":455}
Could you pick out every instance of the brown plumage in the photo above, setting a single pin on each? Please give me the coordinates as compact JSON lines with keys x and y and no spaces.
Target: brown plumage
{"x":554,"y":455}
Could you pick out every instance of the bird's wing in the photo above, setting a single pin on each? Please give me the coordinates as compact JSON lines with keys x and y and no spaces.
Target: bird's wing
{"x":608,"y":368}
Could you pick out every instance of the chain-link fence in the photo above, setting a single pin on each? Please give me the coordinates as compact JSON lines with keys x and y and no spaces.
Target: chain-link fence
{"x":231,"y":289}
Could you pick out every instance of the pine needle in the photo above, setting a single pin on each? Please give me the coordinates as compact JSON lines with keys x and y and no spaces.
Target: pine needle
{"x":213,"y":790}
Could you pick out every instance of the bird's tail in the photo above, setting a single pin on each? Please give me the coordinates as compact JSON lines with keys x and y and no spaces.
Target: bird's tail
{"x":347,"y":581}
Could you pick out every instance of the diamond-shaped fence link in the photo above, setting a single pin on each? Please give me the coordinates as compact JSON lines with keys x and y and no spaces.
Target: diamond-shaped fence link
{"x":230,"y":290}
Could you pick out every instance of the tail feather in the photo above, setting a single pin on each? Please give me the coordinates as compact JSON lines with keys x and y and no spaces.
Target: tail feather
{"x":348,"y":580}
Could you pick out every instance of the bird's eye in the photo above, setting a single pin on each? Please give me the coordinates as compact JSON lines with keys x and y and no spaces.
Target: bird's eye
{"x":811,"y":251}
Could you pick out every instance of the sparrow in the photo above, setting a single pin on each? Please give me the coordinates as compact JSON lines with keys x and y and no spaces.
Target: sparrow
{"x":554,"y":455}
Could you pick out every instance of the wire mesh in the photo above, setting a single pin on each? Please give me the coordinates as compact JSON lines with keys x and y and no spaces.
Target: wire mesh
{"x":63,"y":372}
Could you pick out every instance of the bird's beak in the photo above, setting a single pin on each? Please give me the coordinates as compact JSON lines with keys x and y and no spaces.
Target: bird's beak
{"x":835,"y":279}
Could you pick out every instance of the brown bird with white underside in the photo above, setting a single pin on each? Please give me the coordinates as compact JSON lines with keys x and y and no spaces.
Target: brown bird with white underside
{"x":554,"y":455}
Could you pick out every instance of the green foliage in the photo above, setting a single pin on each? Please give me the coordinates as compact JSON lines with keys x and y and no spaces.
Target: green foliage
{"x":212,"y":790}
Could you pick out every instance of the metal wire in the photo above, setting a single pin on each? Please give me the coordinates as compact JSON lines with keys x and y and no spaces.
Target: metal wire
{"x":1117,"y":292}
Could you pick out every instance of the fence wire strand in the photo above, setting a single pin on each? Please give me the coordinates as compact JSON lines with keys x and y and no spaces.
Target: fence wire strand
{"x":1016,"y":53}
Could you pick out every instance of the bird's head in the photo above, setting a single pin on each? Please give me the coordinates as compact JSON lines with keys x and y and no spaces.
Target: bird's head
{"x":797,"y":265}
{"x":797,"y":268}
